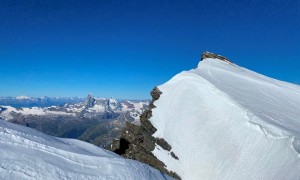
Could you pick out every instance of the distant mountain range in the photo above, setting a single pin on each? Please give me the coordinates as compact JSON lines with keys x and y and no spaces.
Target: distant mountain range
{"x":25,"y":101}
{"x":95,"y":120}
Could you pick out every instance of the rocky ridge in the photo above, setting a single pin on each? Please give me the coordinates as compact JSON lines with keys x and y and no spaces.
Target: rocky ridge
{"x":137,"y":142}
{"x":214,"y":56}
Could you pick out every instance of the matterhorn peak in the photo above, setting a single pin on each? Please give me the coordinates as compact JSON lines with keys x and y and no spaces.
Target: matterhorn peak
{"x":90,"y":101}
{"x":207,"y":54}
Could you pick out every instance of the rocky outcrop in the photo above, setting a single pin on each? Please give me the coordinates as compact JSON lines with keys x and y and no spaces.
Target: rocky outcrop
{"x":214,"y":56}
{"x":137,"y":142}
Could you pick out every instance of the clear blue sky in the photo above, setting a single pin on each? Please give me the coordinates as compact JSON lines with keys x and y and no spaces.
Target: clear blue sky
{"x":122,"y":48}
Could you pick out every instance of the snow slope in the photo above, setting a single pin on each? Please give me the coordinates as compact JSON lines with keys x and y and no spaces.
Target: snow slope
{"x":29,"y":154}
{"x":226,"y":122}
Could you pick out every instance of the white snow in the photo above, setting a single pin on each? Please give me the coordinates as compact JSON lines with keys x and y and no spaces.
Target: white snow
{"x":136,"y":116}
{"x":124,"y":107}
{"x":113,"y":100}
{"x":29,"y":154}
{"x":75,"y":108}
{"x":139,"y":106}
{"x":33,"y":110}
{"x":136,"y":111}
{"x":22,"y":97}
{"x":98,"y":108}
{"x":72,"y":110}
{"x":226,"y":122}
{"x":7,"y":114}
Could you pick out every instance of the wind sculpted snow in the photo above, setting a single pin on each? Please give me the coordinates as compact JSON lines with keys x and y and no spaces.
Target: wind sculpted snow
{"x":226,"y":122}
{"x":29,"y":154}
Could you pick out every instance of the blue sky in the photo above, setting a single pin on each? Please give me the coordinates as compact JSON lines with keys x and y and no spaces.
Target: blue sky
{"x":124,"y":48}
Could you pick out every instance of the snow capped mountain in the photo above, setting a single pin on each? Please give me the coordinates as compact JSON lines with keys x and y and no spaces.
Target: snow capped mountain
{"x":90,"y":107}
{"x":227,"y":122}
{"x":95,"y":120}
{"x":28,"y":154}
{"x":219,"y":121}
{"x":22,"y":97}
{"x":89,"y":102}
{"x":9,"y":112}
{"x":99,"y":105}
{"x":24,"y":101}
{"x":102,"y":104}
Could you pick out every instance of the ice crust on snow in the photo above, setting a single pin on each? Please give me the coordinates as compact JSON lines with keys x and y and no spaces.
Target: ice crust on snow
{"x":226,"y":122}
{"x":29,"y":154}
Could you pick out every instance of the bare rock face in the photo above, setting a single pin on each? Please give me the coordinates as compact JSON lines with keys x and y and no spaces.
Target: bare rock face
{"x":137,"y":142}
{"x":164,"y":144}
{"x":89,"y":102}
{"x":214,"y":56}
{"x":155,"y":93}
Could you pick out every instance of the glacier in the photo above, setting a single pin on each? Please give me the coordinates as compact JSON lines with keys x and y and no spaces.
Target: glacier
{"x":28,"y":154}
{"x":224,"y":121}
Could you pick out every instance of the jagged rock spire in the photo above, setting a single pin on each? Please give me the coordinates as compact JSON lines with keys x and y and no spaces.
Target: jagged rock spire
{"x":90,"y":101}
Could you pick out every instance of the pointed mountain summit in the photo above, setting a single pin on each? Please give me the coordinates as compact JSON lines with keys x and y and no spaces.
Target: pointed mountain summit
{"x":89,"y":102}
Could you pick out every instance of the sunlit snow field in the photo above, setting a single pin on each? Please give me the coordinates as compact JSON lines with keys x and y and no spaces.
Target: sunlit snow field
{"x":226,"y":122}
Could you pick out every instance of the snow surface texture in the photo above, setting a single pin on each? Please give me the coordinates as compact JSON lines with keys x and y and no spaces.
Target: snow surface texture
{"x":29,"y":154}
{"x":226,"y":122}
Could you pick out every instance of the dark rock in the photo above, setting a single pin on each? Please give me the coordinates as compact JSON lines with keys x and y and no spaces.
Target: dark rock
{"x":123,"y":146}
{"x":174,"y":156}
{"x":2,"y":109}
{"x":155,"y":93}
{"x":214,"y":56}
{"x":89,"y":102}
{"x":164,"y":144}
{"x":137,"y":142}
{"x":174,"y":175}
{"x":115,"y":145}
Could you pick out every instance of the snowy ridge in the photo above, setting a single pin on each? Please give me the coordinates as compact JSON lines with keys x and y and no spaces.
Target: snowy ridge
{"x":28,"y":154}
{"x":227,"y":122}
{"x":270,"y":95}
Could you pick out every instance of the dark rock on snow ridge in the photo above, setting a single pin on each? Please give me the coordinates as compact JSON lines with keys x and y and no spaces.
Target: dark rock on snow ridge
{"x":137,"y":142}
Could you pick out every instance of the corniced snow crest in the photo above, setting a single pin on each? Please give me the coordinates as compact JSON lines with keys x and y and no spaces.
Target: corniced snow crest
{"x":227,"y":122}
